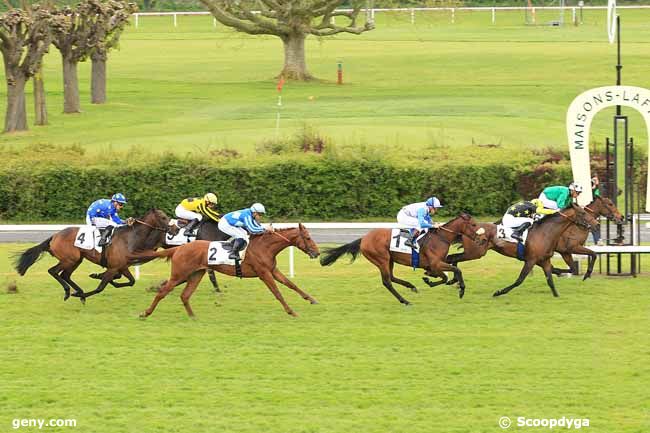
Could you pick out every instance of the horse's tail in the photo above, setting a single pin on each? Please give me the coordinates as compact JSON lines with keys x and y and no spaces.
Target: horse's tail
{"x":332,"y":254}
{"x":30,"y":256}
{"x":147,"y":256}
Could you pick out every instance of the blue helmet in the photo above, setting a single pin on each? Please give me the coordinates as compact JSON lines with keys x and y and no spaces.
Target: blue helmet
{"x":433,"y":202}
{"x":119,"y":197}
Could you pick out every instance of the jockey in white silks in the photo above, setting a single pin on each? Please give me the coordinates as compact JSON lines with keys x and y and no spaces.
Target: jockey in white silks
{"x":417,"y":217}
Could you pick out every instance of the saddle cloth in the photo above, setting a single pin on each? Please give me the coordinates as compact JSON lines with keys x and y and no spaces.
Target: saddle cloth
{"x":180,"y":238}
{"x":398,"y":238}
{"x":218,"y":252}
{"x":87,"y":238}
{"x":505,"y":233}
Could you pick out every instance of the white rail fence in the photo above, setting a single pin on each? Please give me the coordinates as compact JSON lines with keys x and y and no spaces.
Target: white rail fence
{"x":370,"y":13}
{"x":335,"y":227}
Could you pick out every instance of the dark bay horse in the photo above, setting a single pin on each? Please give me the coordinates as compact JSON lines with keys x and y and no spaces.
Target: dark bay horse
{"x":571,"y":241}
{"x":434,"y":246}
{"x":190,"y":261}
{"x":147,"y":232}
{"x":542,"y":240}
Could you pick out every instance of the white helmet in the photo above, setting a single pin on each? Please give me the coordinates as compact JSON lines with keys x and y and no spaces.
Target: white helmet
{"x":575,"y":187}
{"x":258,"y":207}
{"x":210,"y":198}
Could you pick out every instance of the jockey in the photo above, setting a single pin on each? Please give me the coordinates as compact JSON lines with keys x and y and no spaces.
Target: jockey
{"x":417,"y":217}
{"x":194,"y":209}
{"x":521,"y":215}
{"x":559,"y":197}
{"x":102,"y":214}
{"x":239,"y":224}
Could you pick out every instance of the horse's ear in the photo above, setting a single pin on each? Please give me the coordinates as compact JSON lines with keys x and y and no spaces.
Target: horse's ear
{"x":301,"y":227}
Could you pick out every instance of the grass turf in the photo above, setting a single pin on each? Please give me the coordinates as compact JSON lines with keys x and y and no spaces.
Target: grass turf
{"x":411,"y":88}
{"x":358,"y":361}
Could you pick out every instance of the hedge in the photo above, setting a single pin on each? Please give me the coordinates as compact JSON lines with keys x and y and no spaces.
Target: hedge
{"x":316,"y":189}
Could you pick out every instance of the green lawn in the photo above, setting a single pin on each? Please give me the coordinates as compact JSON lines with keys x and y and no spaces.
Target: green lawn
{"x":357,"y":362}
{"x":413,"y":88}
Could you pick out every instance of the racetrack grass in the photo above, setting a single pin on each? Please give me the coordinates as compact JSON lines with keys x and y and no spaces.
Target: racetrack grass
{"x":410,"y":88}
{"x":357,"y":362}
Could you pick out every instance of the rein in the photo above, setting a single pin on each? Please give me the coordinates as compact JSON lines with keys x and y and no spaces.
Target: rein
{"x":278,"y":234}
{"x":583,"y":225}
{"x":149,"y":225}
{"x":457,"y":233}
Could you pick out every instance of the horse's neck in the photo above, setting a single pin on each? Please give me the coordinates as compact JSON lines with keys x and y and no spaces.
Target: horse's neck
{"x":447,"y":233}
{"x":556,"y":229}
{"x":274,"y":243}
{"x":595,"y":208}
{"x":141,"y":234}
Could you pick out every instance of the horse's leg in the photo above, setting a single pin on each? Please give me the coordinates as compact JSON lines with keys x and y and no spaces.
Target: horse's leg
{"x":127,"y":273}
{"x":279,"y":276}
{"x":267,"y":277}
{"x":67,"y":276}
{"x":580,"y":249}
{"x":404,"y":283}
{"x":442,"y":267}
{"x":443,"y":278}
{"x":548,"y":271}
{"x":54,"y":271}
{"x":213,"y":280}
{"x":568,"y":259}
{"x":108,"y":276}
{"x":167,"y":287}
{"x":383,"y":264}
{"x":528,"y":266}
{"x":192,"y":283}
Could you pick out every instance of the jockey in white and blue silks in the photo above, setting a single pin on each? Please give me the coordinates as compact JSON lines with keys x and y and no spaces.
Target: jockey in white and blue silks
{"x":239,"y":224}
{"x":417,"y":217}
{"x":102,"y":214}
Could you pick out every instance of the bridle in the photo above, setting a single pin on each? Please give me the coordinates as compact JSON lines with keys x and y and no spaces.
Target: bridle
{"x":610,"y":215}
{"x":473,"y":238}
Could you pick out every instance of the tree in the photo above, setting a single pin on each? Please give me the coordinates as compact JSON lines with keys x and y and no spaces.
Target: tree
{"x":107,"y":24}
{"x":292,"y":21}
{"x":24,"y":39}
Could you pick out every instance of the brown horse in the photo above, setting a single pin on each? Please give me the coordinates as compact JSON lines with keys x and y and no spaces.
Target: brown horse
{"x":571,"y":241}
{"x":434,"y":246}
{"x":540,"y":244}
{"x":190,"y":261}
{"x":147,"y":232}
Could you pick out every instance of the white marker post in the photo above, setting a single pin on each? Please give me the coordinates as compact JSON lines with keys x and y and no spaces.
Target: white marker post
{"x":277,"y":118}
{"x":611,"y":21}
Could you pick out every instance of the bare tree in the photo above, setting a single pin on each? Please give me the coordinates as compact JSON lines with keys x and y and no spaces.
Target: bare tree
{"x":292,"y":21}
{"x":24,"y":39}
{"x":107,"y":24}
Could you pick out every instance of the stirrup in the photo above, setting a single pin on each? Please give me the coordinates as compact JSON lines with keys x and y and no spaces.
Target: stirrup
{"x":234,"y":255}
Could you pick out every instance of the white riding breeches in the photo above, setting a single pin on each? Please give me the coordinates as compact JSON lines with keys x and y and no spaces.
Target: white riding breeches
{"x":512,"y":221}
{"x":235,"y":232}
{"x":181,"y":212}
{"x":548,"y":203}
{"x":407,"y":221}
{"x":100,"y":222}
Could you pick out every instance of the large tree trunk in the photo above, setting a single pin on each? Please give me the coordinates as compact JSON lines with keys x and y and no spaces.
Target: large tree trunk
{"x":70,"y":87}
{"x":16,"y":115}
{"x":98,"y":80}
{"x":295,"y":67}
{"x":40,"y":108}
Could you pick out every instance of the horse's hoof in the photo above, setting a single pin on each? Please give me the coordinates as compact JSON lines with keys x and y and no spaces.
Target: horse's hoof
{"x":66,"y":297}
{"x":585,"y":277}
{"x":143,"y":315}
{"x":406,"y":303}
{"x":313,"y":301}
{"x":461,"y":293}
{"x":497,"y":293}
{"x":292,"y":313}
{"x":414,"y":290}
{"x":82,"y":299}
{"x":96,"y":276}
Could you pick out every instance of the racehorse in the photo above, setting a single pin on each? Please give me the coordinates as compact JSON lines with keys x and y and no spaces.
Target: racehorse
{"x":542,"y":240}
{"x":434,"y":246}
{"x":190,"y":261}
{"x":147,"y":232}
{"x":571,"y":241}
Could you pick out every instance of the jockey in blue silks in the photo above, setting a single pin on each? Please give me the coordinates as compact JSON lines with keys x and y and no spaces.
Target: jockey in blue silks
{"x":102,"y":214}
{"x":240,"y":225}
{"x":417,"y":217}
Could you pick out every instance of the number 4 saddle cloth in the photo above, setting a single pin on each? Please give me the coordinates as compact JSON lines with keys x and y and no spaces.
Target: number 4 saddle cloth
{"x":87,"y":238}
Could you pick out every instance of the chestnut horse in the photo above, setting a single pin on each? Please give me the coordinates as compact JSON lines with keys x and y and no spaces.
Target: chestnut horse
{"x":147,"y":232}
{"x":190,"y":261}
{"x":542,"y":241}
{"x":434,"y":246}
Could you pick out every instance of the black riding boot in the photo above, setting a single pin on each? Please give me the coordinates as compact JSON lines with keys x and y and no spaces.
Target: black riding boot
{"x":106,"y":233}
{"x":410,"y":240}
{"x":237,"y":246}
{"x":189,"y":228}
{"x":518,"y":232}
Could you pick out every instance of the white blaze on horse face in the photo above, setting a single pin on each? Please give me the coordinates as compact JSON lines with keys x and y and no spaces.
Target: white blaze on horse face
{"x":480,"y":231}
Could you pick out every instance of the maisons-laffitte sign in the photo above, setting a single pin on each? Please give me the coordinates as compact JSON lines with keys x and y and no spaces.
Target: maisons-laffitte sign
{"x":581,"y":113}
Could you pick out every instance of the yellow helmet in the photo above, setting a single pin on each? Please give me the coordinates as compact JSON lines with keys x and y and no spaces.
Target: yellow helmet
{"x":210,"y":198}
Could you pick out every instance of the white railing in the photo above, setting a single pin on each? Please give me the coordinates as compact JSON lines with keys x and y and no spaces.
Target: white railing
{"x":452,"y":10}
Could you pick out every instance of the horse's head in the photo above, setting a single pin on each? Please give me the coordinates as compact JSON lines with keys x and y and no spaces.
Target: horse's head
{"x":583,"y":218}
{"x":605,"y":207}
{"x":466,"y":225}
{"x":305,"y":243}
{"x":158,"y":220}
